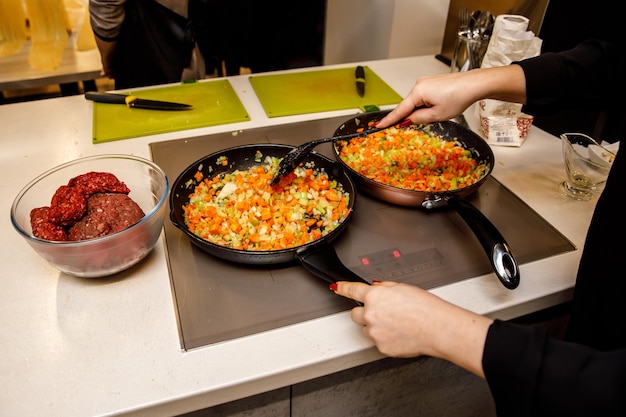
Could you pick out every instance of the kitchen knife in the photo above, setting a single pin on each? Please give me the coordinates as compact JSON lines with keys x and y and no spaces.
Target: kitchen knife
{"x":136,"y":102}
{"x":360,"y":80}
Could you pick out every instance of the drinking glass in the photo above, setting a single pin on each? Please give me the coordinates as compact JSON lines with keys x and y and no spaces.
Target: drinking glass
{"x":12,"y":27}
{"x":585,"y":176}
{"x":49,"y":33}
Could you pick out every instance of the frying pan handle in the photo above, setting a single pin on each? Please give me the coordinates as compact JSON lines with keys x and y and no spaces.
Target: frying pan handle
{"x":500,"y":255}
{"x":322,"y":261}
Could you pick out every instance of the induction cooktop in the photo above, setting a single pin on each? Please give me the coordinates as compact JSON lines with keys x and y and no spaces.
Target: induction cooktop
{"x":217,"y":300}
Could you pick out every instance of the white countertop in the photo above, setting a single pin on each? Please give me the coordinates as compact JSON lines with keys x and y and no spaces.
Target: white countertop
{"x":79,"y":347}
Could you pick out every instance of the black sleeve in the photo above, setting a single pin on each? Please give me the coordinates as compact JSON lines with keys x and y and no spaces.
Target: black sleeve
{"x":590,"y":76}
{"x":530,"y":374}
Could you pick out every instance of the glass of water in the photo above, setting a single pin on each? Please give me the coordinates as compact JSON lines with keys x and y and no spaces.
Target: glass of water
{"x":586,"y":174}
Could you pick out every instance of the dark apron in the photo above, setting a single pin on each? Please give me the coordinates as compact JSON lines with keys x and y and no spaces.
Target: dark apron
{"x":224,"y":33}
{"x":154,"y":45}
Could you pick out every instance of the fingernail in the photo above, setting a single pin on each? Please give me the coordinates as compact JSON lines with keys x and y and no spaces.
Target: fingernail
{"x":333,"y":286}
{"x":375,"y":281}
{"x":405,"y":123}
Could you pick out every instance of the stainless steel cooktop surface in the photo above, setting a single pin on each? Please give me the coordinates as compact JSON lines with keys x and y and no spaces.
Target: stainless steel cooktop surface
{"x":218,"y":300}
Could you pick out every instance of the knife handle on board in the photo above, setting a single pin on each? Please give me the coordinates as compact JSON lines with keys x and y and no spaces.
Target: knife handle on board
{"x":108,"y":98}
{"x":359,"y":74}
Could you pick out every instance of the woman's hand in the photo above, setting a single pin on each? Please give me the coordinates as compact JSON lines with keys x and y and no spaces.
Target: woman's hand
{"x":442,"y":97}
{"x":406,"y":321}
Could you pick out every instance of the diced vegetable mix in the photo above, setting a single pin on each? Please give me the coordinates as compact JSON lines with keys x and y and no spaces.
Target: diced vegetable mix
{"x":241,"y":210}
{"x":412,"y":158}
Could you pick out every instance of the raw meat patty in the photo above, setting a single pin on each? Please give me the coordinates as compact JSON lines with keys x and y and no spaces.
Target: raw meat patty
{"x":106,"y":213}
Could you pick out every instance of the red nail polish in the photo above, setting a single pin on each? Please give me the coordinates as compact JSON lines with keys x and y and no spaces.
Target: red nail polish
{"x":333,"y":286}
{"x":405,"y":123}
{"x":375,"y":281}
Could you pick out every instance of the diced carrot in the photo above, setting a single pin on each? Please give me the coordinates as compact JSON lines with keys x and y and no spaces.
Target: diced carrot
{"x":243,"y":205}
{"x":256,"y":206}
{"x":214,"y":229}
{"x":411,"y":159}
{"x":234,"y":226}
{"x":332,"y":195}
{"x":266,"y":213}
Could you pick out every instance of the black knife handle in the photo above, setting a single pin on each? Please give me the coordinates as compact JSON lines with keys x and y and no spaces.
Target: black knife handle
{"x":359,"y":74}
{"x":106,"y":97}
{"x":360,"y":80}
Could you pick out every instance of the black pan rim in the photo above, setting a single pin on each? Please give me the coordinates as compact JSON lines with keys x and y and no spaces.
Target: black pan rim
{"x":229,"y":253}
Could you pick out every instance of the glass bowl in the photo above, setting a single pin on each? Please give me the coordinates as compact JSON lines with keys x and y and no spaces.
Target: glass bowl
{"x":106,"y":255}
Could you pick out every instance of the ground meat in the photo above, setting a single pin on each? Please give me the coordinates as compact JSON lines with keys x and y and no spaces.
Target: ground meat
{"x":90,"y":205}
{"x":68,"y":205}
{"x":99,"y":182}
{"x":92,"y":225}
{"x":43,"y":228}
{"x":106,"y":213}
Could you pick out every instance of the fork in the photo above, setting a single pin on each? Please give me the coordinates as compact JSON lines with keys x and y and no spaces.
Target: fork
{"x":464,"y":20}
{"x":480,"y":35}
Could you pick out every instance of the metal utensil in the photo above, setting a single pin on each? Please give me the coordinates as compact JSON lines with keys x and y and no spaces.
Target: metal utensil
{"x":474,"y":19}
{"x":290,"y":161}
{"x":479,"y":37}
{"x":484,"y":23}
{"x":464,"y":20}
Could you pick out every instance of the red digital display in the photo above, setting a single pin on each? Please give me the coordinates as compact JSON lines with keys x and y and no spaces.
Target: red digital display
{"x":381,"y":258}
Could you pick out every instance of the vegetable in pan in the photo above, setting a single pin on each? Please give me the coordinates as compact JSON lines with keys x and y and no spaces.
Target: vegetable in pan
{"x":241,"y":210}
{"x":412,"y":158}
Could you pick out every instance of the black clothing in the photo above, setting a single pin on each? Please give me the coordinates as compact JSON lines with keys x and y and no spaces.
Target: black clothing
{"x":248,"y":33}
{"x":223,"y":31}
{"x":528,"y":373}
{"x":591,"y":75}
{"x":153,"y":47}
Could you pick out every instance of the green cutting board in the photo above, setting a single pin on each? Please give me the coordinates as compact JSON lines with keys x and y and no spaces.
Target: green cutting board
{"x":214,"y":102}
{"x":318,"y":91}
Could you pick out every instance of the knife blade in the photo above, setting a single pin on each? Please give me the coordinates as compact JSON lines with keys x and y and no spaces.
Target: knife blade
{"x":359,"y":74}
{"x":136,"y":102}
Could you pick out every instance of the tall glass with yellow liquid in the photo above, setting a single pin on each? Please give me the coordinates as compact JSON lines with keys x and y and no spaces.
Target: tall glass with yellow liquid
{"x":12,"y":27}
{"x":49,"y":33}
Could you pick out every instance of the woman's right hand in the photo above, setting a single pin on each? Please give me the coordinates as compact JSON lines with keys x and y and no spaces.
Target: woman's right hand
{"x":443,"y":97}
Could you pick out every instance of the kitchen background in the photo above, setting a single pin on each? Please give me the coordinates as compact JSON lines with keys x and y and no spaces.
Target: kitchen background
{"x":343,"y":31}
{"x":359,"y":30}
{"x":287,"y":34}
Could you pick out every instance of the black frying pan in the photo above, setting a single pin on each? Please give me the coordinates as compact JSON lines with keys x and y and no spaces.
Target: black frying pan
{"x":497,"y":250}
{"x":318,"y":257}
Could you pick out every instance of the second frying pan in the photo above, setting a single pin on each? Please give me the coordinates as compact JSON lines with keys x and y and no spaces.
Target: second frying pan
{"x":498,"y":251}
